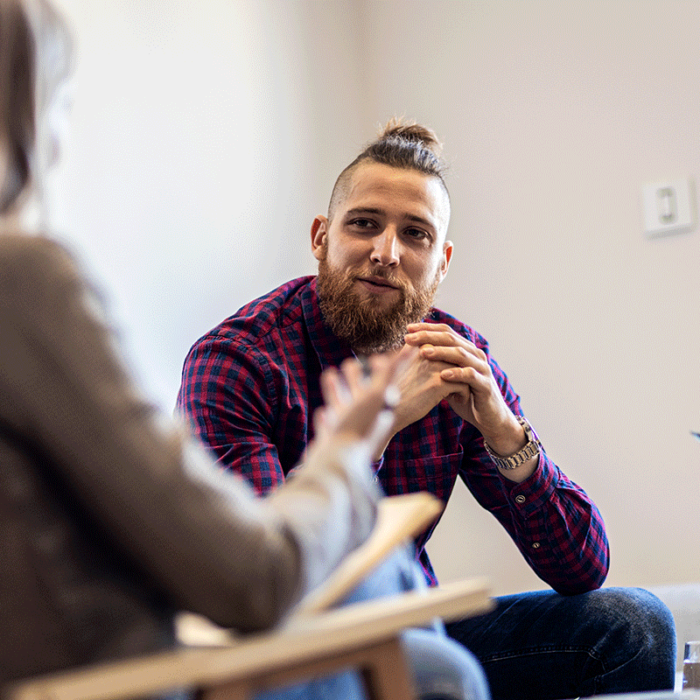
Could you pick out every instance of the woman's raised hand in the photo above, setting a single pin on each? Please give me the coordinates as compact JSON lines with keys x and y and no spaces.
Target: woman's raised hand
{"x":359,"y":400}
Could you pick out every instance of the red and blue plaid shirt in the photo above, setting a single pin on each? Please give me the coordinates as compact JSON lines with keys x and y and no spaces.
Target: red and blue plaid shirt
{"x":250,"y":387}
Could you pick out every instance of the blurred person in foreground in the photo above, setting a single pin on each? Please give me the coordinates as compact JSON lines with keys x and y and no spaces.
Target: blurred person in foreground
{"x":250,"y":387}
{"x":112,"y":518}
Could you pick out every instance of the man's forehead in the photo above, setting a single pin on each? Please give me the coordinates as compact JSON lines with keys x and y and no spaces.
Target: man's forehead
{"x":414,"y":194}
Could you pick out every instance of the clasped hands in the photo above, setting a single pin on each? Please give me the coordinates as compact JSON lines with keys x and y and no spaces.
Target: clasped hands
{"x":435,"y":364}
{"x":440,"y":364}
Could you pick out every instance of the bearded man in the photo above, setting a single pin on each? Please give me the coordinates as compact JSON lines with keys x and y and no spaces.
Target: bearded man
{"x":251,"y":386}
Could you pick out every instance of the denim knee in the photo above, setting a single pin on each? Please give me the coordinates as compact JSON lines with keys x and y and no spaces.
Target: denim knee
{"x":639,"y":647}
{"x":648,"y":620}
{"x":545,"y":645}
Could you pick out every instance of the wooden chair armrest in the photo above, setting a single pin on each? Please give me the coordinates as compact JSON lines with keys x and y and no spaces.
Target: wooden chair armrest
{"x":301,"y":640}
{"x":399,"y":519}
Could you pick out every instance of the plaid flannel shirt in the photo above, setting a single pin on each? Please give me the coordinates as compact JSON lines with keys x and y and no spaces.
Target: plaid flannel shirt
{"x":250,"y":387}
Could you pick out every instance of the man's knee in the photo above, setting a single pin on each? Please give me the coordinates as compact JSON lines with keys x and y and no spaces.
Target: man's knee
{"x":635,"y":606}
{"x":634,"y":616}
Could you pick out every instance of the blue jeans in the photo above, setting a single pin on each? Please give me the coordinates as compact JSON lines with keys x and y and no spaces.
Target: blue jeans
{"x":442,"y":669}
{"x":546,"y":646}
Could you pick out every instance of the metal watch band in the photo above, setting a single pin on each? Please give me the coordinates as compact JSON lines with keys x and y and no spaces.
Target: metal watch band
{"x":531,"y":449}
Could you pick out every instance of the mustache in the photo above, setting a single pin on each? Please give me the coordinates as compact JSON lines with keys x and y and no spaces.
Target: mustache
{"x":383,"y":274}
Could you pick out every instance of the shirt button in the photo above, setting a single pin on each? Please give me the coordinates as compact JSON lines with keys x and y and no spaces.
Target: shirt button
{"x":520,"y":499}
{"x":535,"y":545}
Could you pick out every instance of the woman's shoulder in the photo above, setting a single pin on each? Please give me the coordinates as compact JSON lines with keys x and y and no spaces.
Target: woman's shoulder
{"x":20,"y":248}
{"x":32,"y":265}
{"x":25,"y":253}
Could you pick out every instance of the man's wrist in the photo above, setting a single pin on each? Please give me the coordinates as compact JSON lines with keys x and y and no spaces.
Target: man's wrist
{"x":509,"y":440}
{"x":522,"y":451}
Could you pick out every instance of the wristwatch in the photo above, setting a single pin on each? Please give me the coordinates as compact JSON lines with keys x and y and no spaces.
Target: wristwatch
{"x":532,"y":448}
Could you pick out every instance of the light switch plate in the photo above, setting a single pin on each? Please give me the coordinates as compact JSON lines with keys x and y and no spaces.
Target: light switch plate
{"x":668,"y":206}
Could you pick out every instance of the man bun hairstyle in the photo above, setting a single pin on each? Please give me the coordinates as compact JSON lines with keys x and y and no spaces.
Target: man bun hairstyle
{"x":399,"y":144}
{"x":407,"y":145}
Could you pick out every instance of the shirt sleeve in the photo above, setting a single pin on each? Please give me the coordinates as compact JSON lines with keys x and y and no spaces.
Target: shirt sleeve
{"x":225,"y":395}
{"x":200,"y":535}
{"x":553,"y":522}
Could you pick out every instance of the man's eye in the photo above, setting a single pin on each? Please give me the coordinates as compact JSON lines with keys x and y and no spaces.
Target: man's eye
{"x":416,"y":234}
{"x":362,"y":223}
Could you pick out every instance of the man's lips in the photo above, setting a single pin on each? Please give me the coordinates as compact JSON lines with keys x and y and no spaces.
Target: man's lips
{"x":377,"y":283}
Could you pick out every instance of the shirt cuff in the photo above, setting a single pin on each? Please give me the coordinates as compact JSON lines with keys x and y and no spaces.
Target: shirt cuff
{"x":532,"y":494}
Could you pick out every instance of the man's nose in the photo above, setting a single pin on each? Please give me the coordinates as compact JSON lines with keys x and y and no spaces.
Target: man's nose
{"x":386,"y":248}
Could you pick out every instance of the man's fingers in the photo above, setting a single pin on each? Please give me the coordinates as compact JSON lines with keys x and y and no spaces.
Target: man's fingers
{"x":417,"y":327}
{"x":447,"y":338}
{"x":457,"y":355}
{"x":468,"y":376}
{"x":433,"y":336}
{"x":458,"y":374}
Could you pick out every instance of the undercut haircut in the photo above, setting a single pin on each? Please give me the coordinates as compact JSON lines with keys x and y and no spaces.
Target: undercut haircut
{"x":400,"y":144}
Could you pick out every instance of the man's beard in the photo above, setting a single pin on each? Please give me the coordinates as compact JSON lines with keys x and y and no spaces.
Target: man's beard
{"x":359,"y":320}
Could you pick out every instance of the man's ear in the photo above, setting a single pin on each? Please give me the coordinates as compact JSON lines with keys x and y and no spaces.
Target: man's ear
{"x":446,"y":257}
{"x":319,"y":233}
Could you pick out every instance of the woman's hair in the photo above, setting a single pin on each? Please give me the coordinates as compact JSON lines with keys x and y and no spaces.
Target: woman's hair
{"x":35,"y":51}
{"x":400,"y":144}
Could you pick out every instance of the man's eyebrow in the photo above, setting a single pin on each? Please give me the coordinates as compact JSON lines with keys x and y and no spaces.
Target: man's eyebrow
{"x":365,"y":210}
{"x":421,"y":220}
{"x":382,"y":212}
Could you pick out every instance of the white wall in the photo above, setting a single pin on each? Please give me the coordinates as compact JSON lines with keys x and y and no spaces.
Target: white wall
{"x":195,"y":163}
{"x":207,"y":135}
